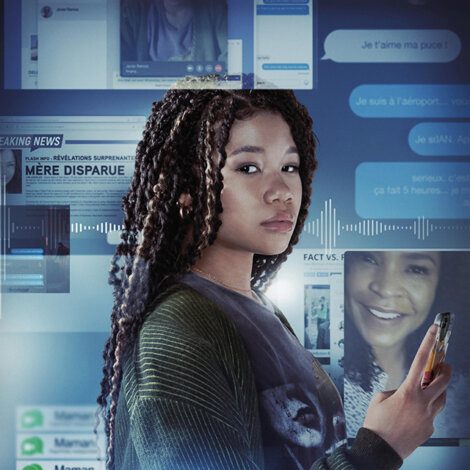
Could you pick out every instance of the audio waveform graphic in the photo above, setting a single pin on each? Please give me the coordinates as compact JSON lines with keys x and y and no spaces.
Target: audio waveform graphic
{"x":328,"y":227}
{"x":102,"y":227}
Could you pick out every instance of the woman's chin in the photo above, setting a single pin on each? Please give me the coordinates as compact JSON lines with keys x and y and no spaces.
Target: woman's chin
{"x":274,"y":250}
{"x":384,"y":341}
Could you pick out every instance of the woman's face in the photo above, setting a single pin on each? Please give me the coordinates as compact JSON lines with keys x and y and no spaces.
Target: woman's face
{"x":7,"y":160}
{"x":261,"y":182}
{"x":389,"y":294}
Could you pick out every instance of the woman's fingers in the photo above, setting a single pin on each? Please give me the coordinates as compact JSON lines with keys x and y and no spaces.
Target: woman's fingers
{"x":438,"y":386}
{"x":404,"y":417}
{"x":419,"y":362}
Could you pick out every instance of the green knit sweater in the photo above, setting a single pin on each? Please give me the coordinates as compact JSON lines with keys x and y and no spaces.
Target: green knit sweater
{"x":188,"y":398}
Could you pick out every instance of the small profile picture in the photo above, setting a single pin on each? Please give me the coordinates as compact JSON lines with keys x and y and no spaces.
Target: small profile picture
{"x":10,"y":175}
{"x":47,"y":11}
{"x":317,"y":317}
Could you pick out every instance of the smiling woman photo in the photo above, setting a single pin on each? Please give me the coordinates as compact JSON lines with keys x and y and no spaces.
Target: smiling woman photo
{"x":201,"y":369}
{"x":390,"y":299}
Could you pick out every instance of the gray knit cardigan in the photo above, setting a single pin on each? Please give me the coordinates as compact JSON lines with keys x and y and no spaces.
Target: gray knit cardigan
{"x":188,"y":398}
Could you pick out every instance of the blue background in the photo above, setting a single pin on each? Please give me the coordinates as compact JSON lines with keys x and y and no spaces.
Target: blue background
{"x":65,"y":368}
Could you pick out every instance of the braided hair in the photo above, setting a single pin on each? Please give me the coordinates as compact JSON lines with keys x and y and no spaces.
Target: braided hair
{"x":175,"y":156}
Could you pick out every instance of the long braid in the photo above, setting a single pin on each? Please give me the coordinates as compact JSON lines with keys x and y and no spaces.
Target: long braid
{"x":183,"y":151}
{"x":209,"y":167}
{"x":136,"y":279}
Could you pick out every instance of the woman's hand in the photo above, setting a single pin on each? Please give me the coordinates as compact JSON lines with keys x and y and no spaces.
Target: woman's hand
{"x":404,"y":417}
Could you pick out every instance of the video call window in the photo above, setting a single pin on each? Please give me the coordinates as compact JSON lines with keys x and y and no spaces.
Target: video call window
{"x":151,"y":44}
{"x":104,"y":44}
{"x":173,"y":37}
{"x":390,"y":300}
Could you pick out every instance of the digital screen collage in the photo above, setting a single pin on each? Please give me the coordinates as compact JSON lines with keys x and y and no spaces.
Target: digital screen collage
{"x":386,"y":243}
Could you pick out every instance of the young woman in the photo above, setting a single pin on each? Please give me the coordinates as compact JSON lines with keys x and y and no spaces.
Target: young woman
{"x":201,"y":369}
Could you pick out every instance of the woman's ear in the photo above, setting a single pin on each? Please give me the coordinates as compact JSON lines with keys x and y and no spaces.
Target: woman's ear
{"x":185,"y":200}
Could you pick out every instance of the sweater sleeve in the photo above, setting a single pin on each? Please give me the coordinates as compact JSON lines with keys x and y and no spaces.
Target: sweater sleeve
{"x":369,"y":452}
{"x":170,"y":434}
{"x":189,"y":406}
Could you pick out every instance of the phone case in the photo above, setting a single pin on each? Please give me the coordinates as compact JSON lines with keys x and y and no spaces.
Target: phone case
{"x":444,"y":321}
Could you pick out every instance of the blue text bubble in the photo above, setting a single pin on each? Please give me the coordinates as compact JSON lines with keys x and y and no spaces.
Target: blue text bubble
{"x":402,"y":190}
{"x":285,"y":66}
{"x":440,"y":138}
{"x":282,"y":9}
{"x":392,"y":45}
{"x":403,"y":101}
{"x":270,"y":2}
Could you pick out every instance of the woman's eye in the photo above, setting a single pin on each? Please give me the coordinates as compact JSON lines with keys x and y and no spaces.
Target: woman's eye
{"x":368,"y":259}
{"x":415,"y":269}
{"x":291,"y":168}
{"x":249,"y":169}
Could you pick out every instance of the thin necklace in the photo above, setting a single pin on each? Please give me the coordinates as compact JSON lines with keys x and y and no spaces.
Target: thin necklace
{"x":218,"y":281}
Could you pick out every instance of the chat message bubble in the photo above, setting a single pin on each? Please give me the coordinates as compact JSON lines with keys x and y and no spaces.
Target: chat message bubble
{"x":270,"y":2}
{"x":392,"y":45}
{"x":286,"y":66}
{"x":440,"y":138}
{"x":403,"y":101}
{"x":291,"y":9}
{"x":402,"y":190}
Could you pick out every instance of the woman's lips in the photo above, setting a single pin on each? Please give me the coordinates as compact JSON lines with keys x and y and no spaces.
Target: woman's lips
{"x":278,"y":226}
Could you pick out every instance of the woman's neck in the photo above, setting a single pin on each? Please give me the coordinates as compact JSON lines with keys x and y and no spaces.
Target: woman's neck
{"x":392,"y":361}
{"x":231,"y":269}
{"x":177,"y":12}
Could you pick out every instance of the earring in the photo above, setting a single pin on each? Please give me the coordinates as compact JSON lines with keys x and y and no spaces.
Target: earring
{"x":184,"y":210}
{"x":185,"y":205}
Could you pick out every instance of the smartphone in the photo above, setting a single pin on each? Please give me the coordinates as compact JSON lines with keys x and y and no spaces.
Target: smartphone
{"x":444,"y":321}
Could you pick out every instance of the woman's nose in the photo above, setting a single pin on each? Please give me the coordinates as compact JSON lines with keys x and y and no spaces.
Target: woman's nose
{"x":387,"y":283}
{"x":277,"y":189}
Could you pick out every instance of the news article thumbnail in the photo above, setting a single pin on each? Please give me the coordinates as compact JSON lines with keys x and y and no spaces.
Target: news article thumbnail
{"x":68,"y":166}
